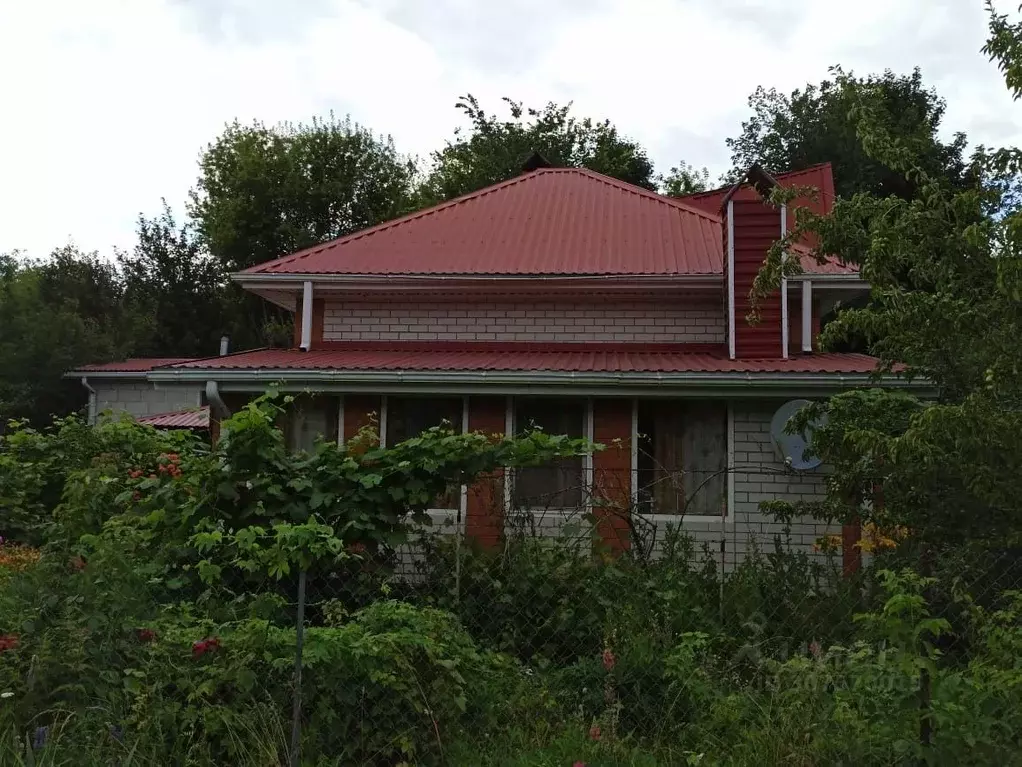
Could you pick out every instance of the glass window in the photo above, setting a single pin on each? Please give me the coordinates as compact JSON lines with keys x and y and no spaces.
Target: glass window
{"x":682,"y":457}
{"x":560,"y":483}
{"x":408,"y":417}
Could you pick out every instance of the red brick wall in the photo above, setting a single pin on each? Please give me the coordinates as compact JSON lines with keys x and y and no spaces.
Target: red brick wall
{"x":612,"y":471}
{"x":484,"y":513}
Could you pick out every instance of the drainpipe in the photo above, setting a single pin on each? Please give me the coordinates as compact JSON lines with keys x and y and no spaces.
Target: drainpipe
{"x":307,"y":316}
{"x":216,"y":402}
{"x":92,"y":401}
{"x":807,"y":316}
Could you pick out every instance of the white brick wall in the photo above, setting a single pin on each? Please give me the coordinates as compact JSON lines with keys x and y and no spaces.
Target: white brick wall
{"x":683,"y":320}
{"x":140,"y":398}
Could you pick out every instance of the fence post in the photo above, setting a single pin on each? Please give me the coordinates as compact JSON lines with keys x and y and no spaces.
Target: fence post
{"x":296,"y":711}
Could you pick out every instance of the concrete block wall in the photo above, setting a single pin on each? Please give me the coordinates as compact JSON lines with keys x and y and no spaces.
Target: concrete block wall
{"x":141,"y":398}
{"x":690,"y":320}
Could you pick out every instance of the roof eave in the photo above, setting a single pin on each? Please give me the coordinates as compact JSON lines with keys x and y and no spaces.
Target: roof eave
{"x":740,"y":383}
{"x":392,"y":281}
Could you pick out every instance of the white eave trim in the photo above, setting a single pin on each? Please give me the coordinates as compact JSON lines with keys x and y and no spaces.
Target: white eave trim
{"x":393,"y":281}
{"x":141,"y":375}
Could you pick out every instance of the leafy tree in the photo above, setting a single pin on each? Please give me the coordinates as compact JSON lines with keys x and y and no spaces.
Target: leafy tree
{"x":264,"y":192}
{"x":176,"y":287}
{"x":947,"y":462}
{"x":816,"y":124}
{"x":685,"y":179}
{"x":56,"y":314}
{"x":494,"y":150}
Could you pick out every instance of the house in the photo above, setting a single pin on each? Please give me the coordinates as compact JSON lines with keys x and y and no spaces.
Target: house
{"x":575,"y":302}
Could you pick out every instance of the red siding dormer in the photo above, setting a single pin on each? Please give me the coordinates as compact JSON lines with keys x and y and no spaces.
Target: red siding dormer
{"x":752,"y":227}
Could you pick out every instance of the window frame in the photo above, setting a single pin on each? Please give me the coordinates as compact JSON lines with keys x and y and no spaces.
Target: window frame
{"x":513,"y":426}
{"x":727,"y":515}
{"x":440,"y":515}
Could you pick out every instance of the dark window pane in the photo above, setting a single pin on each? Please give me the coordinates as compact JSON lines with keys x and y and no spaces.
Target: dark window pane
{"x":408,"y":417}
{"x":558,"y":484}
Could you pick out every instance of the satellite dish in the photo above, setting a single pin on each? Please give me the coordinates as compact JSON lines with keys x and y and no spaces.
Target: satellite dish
{"x":792,"y":447}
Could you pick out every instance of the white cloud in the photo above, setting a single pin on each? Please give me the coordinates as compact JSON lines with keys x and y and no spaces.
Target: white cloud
{"x":107,"y":104}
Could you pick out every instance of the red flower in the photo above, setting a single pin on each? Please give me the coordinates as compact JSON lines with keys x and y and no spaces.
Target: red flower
{"x":8,"y":642}
{"x":203,"y":646}
{"x":594,"y":732}
{"x":608,"y":659}
{"x":356,"y":548}
{"x":579,"y":764}
{"x":135,"y":474}
{"x":145,"y":635}
{"x":77,"y":563}
{"x":136,"y":496}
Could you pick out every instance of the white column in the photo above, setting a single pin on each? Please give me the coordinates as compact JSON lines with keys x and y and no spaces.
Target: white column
{"x":307,"y":315}
{"x":635,"y":454}
{"x":731,"y":278}
{"x":587,"y":460}
{"x":340,"y":420}
{"x":785,"y":329}
{"x":807,"y":315}
{"x":509,"y":427}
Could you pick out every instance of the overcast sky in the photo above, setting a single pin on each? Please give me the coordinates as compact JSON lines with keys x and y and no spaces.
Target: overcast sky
{"x":105,"y":104}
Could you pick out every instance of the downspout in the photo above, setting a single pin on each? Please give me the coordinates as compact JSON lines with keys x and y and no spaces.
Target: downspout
{"x":216,"y":402}
{"x":307,"y":316}
{"x":807,"y":316}
{"x":92,"y":401}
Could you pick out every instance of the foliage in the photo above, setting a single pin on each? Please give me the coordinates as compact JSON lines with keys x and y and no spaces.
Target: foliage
{"x":684,"y":179}
{"x":56,"y":314}
{"x":494,"y":150}
{"x":169,"y":271}
{"x":816,"y":124}
{"x":69,"y":462}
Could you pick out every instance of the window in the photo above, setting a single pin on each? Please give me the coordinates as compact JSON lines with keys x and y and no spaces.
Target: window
{"x":408,"y":417}
{"x":311,"y":417}
{"x":682,"y":462}
{"x":558,"y":484}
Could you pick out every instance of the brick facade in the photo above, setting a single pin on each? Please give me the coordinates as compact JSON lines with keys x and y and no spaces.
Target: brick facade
{"x":612,"y":471}
{"x":681,"y":320}
{"x":484,"y":517}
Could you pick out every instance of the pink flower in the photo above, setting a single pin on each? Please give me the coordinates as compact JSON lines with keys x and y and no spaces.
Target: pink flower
{"x":608,"y":659}
{"x":145,"y":635}
{"x":594,"y":732}
{"x":579,"y":764}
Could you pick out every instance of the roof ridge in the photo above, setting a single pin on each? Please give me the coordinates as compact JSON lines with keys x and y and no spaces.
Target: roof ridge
{"x":672,"y":202}
{"x":390,"y":224}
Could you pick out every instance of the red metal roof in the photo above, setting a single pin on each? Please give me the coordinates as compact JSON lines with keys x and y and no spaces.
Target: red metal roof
{"x":552,"y":221}
{"x":592,"y":358}
{"x":137,"y":365}
{"x":181,"y":419}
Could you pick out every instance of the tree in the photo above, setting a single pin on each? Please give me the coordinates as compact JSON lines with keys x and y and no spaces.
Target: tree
{"x":815,"y":124}
{"x":948,"y":462}
{"x":177,"y":288}
{"x":685,"y":179}
{"x":494,"y":150}
{"x":56,"y":314}
{"x":266,"y":192}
